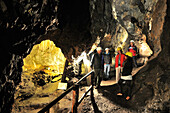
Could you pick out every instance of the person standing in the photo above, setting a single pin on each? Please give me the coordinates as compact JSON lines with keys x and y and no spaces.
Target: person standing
{"x":133,"y":49}
{"x":120,"y":58}
{"x":97,"y":64}
{"x":125,"y":82}
{"x":107,"y":62}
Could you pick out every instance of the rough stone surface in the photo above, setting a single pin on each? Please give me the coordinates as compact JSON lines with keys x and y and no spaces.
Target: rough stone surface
{"x":21,"y":23}
{"x":150,"y":90}
{"x":74,"y":26}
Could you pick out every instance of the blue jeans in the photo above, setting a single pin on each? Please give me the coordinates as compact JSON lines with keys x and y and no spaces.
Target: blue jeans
{"x":106,"y":70}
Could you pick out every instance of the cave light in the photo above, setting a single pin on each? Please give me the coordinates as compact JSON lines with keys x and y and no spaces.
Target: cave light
{"x":45,"y":56}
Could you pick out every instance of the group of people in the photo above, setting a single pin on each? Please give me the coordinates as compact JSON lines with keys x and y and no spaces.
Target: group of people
{"x":99,"y":62}
{"x":124,"y":64}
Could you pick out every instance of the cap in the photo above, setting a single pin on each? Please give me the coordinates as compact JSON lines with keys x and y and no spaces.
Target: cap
{"x":99,"y":48}
{"x":106,"y":49}
{"x":119,"y":48}
{"x":132,"y":41}
{"x":129,"y":54}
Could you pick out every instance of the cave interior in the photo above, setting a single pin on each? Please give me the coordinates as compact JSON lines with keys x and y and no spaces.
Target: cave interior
{"x":39,"y":37}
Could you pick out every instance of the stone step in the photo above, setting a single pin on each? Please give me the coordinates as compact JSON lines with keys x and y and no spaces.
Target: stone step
{"x":108,"y":82}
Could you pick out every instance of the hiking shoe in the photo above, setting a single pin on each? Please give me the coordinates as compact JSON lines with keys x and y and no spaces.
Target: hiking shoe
{"x":119,"y":94}
{"x":128,"y":97}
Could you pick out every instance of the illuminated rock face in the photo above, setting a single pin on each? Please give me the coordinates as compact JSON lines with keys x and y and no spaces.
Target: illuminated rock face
{"x":124,"y":20}
{"x":40,"y":75}
{"x":23,"y":21}
{"x":46,"y":55}
{"x":144,"y":49}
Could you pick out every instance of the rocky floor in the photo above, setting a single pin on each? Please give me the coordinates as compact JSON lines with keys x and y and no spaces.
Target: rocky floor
{"x":106,"y":101}
{"x":104,"y":104}
{"x":30,"y":98}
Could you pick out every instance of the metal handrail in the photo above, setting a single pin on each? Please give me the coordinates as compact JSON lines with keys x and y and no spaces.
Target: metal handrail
{"x":81,"y":99}
{"x":66,"y":92}
{"x":56,"y":100}
{"x":85,"y":76}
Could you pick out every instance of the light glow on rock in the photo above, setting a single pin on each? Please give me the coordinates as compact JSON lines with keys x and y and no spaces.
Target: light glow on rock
{"x":45,"y":56}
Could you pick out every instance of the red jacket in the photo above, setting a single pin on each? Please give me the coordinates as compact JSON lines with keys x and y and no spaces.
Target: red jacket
{"x":122,"y":59}
{"x":133,"y":50}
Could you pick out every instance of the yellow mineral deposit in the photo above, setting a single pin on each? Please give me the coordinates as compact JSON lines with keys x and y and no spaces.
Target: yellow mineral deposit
{"x":47,"y":57}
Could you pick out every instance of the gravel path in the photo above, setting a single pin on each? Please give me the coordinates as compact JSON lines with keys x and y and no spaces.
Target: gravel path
{"x":105,"y":103}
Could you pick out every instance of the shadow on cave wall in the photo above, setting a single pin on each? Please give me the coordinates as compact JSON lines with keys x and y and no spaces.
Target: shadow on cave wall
{"x":73,"y":33}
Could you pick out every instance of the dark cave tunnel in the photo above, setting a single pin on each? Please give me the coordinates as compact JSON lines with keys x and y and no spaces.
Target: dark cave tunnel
{"x":73,"y":24}
{"x":73,"y":33}
{"x":74,"y":14}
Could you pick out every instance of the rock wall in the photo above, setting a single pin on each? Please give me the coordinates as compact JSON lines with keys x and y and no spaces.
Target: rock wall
{"x":74,"y":26}
{"x":116,"y":22}
{"x":155,"y":76}
{"x":21,"y":23}
{"x":25,"y":23}
{"x":45,"y":55}
{"x":144,"y":22}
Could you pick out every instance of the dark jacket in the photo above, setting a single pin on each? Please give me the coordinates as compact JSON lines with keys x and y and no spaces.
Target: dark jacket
{"x":97,"y":61}
{"x":107,"y":58}
{"x":128,"y":66}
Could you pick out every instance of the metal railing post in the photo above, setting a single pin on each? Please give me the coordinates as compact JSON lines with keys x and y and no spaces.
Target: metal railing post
{"x":48,"y":111}
{"x":92,"y":83}
{"x":75,"y":101}
{"x":75,"y":98}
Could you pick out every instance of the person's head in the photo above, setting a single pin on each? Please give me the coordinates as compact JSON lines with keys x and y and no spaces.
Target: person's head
{"x":131,"y":42}
{"x":99,"y":50}
{"x":107,"y":50}
{"x":128,"y":54}
{"x":119,"y":50}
